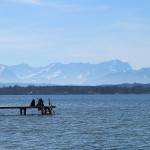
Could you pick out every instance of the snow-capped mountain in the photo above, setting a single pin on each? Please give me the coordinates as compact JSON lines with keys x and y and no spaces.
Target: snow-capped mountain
{"x":6,"y":75}
{"x":111,"y":72}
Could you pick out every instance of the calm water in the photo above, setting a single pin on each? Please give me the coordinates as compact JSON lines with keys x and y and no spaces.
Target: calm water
{"x":82,"y":122}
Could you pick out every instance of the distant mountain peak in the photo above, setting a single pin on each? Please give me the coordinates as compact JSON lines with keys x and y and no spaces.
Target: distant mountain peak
{"x":109,"y":72}
{"x":2,"y":68}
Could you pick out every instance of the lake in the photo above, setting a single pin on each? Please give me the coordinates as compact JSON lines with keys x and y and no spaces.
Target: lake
{"x":81,"y":122}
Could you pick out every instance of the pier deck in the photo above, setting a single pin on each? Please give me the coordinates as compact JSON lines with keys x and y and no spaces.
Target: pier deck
{"x":44,"y":109}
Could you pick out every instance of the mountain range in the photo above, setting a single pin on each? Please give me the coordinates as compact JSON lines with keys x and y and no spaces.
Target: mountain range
{"x":110,"y":72}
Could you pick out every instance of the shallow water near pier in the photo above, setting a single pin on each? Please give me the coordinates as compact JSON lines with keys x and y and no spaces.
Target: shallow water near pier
{"x":81,"y":122}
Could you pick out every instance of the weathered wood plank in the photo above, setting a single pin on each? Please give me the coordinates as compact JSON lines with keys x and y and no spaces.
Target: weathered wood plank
{"x":25,"y":107}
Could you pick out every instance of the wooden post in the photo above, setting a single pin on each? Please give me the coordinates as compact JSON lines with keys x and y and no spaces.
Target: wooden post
{"x":20,"y":111}
{"x":24,"y":111}
{"x":42,"y":113}
{"x":45,"y":110}
{"x":50,"y":111}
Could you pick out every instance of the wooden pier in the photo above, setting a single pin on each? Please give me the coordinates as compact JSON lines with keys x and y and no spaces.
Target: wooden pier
{"x":45,"y":110}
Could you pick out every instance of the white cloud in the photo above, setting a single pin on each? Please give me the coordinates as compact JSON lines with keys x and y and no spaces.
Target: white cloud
{"x":53,"y":4}
{"x":35,"y":2}
{"x":44,"y":3}
{"x":62,"y":5}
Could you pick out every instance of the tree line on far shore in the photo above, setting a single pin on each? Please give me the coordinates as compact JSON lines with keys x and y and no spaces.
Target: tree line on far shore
{"x":49,"y":90}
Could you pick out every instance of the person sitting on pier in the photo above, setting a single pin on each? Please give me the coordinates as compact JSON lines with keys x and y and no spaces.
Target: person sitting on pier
{"x":32,"y":103}
{"x":40,"y":103}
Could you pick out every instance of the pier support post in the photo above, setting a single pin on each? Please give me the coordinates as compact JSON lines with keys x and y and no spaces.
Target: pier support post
{"x":42,"y":111}
{"x":50,"y":111}
{"x":24,"y":111}
{"x":20,"y":111}
{"x":45,"y":111}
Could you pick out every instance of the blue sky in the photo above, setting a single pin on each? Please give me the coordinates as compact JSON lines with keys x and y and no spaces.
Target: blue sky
{"x":40,"y":32}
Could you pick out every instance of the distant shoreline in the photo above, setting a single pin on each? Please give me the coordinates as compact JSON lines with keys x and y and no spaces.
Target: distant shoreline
{"x":66,"y":90}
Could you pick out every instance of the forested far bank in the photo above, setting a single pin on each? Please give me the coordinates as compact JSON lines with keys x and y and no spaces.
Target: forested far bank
{"x":49,"y":90}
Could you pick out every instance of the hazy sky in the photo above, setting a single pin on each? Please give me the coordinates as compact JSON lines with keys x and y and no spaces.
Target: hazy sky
{"x":39,"y":32}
